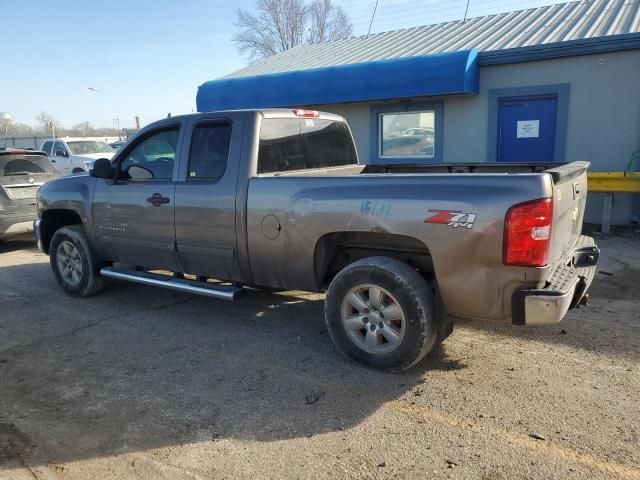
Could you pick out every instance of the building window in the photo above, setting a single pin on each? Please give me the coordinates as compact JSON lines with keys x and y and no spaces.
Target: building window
{"x":406,"y":133}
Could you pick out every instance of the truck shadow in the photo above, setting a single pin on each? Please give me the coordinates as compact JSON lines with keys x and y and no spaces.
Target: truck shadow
{"x":22,"y":243}
{"x":135,"y":368}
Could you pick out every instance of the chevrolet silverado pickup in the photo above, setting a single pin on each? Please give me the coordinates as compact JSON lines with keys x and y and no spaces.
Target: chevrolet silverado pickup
{"x":215,"y":203}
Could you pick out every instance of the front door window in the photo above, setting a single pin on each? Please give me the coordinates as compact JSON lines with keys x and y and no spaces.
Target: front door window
{"x":151,"y":159}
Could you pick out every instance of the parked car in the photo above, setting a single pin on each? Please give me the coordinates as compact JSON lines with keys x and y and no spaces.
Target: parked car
{"x":277,"y":198}
{"x":414,"y":132}
{"x":75,"y":156}
{"x":21,"y":174}
{"x":412,"y":141}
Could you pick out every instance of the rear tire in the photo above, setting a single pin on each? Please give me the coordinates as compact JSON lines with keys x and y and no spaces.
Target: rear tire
{"x":395,"y":307}
{"x":75,"y":265}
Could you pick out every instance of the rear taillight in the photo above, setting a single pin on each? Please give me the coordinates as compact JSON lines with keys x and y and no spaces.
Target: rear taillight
{"x":306,"y":113}
{"x":527,"y":233}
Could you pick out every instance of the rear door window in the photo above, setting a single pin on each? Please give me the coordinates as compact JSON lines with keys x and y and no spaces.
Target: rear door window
{"x":209,"y":151}
{"x":47,"y":147}
{"x":11,"y":165}
{"x":288,"y":144}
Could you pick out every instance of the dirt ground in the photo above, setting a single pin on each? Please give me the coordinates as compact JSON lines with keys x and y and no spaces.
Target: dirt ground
{"x":144,"y":383}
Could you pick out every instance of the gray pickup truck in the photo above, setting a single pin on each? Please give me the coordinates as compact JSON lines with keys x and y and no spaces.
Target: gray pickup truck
{"x":276,"y":198}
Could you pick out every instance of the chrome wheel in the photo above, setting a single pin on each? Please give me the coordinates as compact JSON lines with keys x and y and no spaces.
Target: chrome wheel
{"x":69,"y":263}
{"x":373,"y":319}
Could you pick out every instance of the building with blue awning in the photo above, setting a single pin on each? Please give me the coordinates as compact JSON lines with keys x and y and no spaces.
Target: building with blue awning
{"x":549,"y":84}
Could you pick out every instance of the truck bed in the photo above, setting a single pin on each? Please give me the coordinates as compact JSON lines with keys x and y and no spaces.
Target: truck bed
{"x":396,"y":199}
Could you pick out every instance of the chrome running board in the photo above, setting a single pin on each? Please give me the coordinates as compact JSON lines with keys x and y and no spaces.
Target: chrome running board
{"x":221,"y":292}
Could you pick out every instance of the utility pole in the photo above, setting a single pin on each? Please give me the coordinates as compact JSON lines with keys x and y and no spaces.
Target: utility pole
{"x":137,"y":122}
{"x":116,"y":125}
{"x":90,"y":91}
{"x":52,"y":126}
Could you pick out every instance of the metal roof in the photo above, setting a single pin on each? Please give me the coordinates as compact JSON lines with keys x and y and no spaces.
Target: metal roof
{"x":565,"y":22}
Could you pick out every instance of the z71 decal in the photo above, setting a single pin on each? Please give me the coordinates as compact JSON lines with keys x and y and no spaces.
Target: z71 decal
{"x":452,"y":218}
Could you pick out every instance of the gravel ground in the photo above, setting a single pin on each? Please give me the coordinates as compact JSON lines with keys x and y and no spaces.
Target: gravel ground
{"x":146,"y":383}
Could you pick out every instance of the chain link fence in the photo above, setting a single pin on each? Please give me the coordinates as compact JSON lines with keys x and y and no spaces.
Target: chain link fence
{"x":29,"y":142}
{"x":34,"y":142}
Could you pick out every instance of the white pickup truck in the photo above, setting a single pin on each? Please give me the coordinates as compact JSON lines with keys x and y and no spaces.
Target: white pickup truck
{"x":75,"y":156}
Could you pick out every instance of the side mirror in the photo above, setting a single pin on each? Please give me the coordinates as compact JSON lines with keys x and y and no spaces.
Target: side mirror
{"x":61,"y":153}
{"x":136,"y":172}
{"x":102,"y":168}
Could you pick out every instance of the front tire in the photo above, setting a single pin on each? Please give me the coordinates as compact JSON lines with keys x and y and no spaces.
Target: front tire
{"x":380,"y":312}
{"x":75,"y":266}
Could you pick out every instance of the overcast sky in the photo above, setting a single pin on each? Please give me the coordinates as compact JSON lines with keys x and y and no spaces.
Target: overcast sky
{"x":147,"y":57}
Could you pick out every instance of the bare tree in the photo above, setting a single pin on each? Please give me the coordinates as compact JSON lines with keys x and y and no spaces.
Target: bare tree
{"x":19,"y":129}
{"x":327,"y":22}
{"x":280,"y":25}
{"x":45,"y":119}
{"x":277,"y":26}
{"x":83,"y":129}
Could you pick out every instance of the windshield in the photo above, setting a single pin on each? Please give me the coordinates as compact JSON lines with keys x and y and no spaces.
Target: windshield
{"x":24,"y":165}
{"x":89,"y":146}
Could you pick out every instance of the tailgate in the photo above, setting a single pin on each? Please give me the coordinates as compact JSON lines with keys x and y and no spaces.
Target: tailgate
{"x":569,"y":200}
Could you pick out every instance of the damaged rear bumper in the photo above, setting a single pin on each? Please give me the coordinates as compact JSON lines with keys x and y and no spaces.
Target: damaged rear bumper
{"x":566,"y":288}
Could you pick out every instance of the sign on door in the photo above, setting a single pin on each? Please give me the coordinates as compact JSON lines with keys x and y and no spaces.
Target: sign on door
{"x":528,"y":129}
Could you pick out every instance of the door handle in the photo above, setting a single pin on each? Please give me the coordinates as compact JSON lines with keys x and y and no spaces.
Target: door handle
{"x":156,"y":200}
{"x":52,"y":161}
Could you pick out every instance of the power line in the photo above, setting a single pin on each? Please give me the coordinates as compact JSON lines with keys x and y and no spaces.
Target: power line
{"x":414,"y":13}
{"x":412,"y":5}
{"x":407,"y":12}
{"x":373,"y":15}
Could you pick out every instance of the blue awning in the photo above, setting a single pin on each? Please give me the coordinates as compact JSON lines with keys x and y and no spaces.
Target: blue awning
{"x":437,"y":74}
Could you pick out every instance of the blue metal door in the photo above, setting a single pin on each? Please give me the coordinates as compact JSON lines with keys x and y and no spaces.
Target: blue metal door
{"x":527,"y":128}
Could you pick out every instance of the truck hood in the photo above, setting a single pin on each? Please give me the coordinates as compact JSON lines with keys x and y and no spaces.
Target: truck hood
{"x":95,"y":156}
